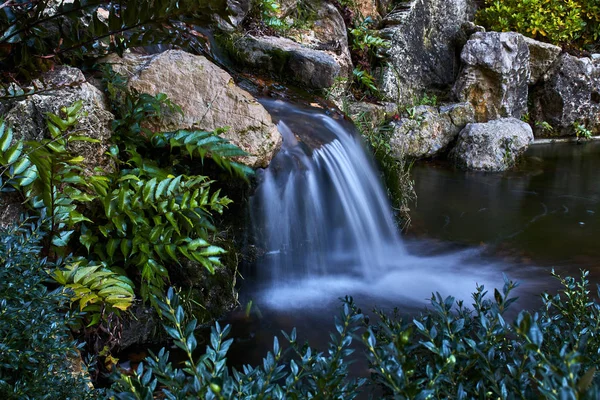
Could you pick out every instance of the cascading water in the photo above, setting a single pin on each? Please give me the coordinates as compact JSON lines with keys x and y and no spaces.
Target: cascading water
{"x":323,"y":211}
{"x":324,"y":226}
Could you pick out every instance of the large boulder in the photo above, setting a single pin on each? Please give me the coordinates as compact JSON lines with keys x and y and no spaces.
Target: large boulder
{"x":495,"y":75}
{"x":429,"y":130}
{"x":315,"y":57}
{"x":61,"y":88}
{"x":570,"y":95}
{"x":208,"y":98}
{"x":542,"y":57}
{"x":492,"y":146}
{"x":424,"y":36}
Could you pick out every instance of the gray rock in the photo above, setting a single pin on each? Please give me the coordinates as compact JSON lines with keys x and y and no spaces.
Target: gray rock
{"x":369,"y":114}
{"x":424,"y":37}
{"x":542,"y":57}
{"x":571,"y":94}
{"x":314,"y":57}
{"x":492,"y":146}
{"x":494,"y":75}
{"x":291,"y":61}
{"x":429,"y":130}
{"x":61,"y":88}
{"x":208,"y":98}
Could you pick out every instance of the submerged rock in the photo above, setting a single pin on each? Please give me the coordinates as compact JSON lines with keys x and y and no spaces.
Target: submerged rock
{"x":424,"y":37}
{"x":61,"y":88}
{"x":429,"y":130}
{"x":208,"y":97}
{"x":492,"y":146}
{"x":494,"y":75}
{"x":570,"y":95}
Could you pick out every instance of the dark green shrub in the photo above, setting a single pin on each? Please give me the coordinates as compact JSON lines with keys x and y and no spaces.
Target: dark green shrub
{"x":295,"y":373}
{"x":448,"y":352}
{"x":455,"y":352}
{"x":37,"y":352}
{"x":556,"y":21}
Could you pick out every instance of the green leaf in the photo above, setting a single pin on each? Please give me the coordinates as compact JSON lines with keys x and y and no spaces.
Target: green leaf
{"x":6,"y":136}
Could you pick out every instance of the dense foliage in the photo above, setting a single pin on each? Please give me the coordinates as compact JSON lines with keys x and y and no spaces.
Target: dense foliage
{"x":449,"y":351}
{"x":130,"y":223}
{"x":37,"y":354}
{"x":37,"y":34}
{"x":570,"y":22}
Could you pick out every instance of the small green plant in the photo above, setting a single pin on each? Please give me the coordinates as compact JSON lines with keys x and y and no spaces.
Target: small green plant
{"x":365,"y":80}
{"x":366,"y":49}
{"x":544,"y":126}
{"x":581,"y":131}
{"x":395,"y":170}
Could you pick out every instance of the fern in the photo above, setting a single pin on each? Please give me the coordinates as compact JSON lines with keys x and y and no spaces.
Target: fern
{"x":95,"y":287}
{"x":202,"y":143}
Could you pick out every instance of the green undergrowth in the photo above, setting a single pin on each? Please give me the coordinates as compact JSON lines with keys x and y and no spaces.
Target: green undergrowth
{"x":127,"y":225}
{"x":450,"y":351}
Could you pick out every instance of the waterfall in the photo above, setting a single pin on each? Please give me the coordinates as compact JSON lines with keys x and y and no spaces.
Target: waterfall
{"x":320,"y":210}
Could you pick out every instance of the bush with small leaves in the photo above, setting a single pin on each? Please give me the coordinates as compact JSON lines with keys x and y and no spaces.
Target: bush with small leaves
{"x":565,"y":22}
{"x":36,"y":348}
{"x":297,"y":372}
{"x":448,"y":352}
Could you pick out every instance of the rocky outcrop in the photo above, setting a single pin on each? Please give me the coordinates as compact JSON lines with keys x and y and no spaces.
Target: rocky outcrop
{"x":570,"y":95}
{"x":542,"y":57}
{"x":429,"y":130}
{"x":208,"y":98}
{"x":424,"y":46}
{"x":492,"y":146}
{"x":61,"y":88}
{"x":494,"y":75}
{"x":315,"y":57}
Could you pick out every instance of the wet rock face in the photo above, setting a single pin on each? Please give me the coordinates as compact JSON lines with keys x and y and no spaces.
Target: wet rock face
{"x":208,"y":98}
{"x":424,"y":37}
{"x":64,"y":86}
{"x":429,"y":130}
{"x":570,"y":95}
{"x":495,"y":74}
{"x":492,"y":146}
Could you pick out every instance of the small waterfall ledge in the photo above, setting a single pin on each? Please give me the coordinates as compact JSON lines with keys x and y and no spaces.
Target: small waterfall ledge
{"x":322,"y":211}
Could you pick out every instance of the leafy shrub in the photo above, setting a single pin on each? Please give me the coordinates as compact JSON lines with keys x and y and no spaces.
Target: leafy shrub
{"x":555,"y":21}
{"x":298,"y":372}
{"x":449,"y":351}
{"x":36,"y":34}
{"x":35,"y":342}
{"x":135,"y":221}
{"x":455,"y":352}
